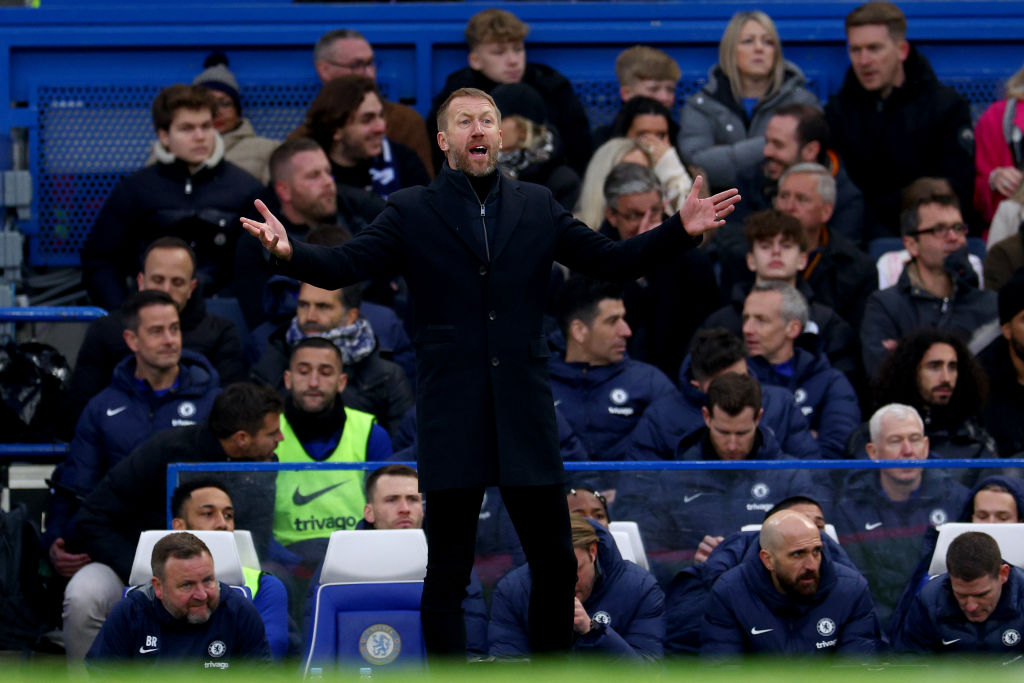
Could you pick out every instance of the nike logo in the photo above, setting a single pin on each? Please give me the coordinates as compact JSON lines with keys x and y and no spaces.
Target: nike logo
{"x":147,"y":650}
{"x":111,"y":412}
{"x":759,"y":631}
{"x":299,"y":499}
{"x":687,"y":499}
{"x":871,"y":526}
{"x":950,"y":642}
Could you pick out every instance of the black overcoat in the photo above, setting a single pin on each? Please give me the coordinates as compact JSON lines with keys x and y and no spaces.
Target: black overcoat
{"x":486,"y":415}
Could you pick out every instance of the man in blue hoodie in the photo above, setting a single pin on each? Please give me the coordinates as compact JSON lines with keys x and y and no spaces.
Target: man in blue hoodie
{"x":619,"y":607}
{"x":978,"y":606}
{"x":715,"y":351}
{"x":790,"y":600}
{"x":599,"y":391}
{"x":774,"y":315}
{"x":679,"y":511}
{"x":160,"y":386}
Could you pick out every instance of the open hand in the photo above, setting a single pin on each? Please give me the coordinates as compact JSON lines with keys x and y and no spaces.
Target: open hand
{"x":700,"y":215}
{"x":271,"y":234}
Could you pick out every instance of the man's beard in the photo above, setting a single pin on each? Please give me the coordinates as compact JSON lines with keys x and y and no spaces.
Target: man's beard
{"x":462,"y":163}
{"x":796,"y":590}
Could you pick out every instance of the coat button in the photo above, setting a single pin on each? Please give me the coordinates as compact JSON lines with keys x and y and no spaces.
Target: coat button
{"x":483,"y":270}
{"x":491,"y":315}
{"x":495,"y":362}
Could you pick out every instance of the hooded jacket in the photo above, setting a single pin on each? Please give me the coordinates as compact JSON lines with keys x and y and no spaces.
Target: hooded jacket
{"x":202,"y":208}
{"x":121,"y":417}
{"x":885,"y":538}
{"x":936,"y":624}
{"x":623,"y":593}
{"x":715,"y":132}
{"x":670,"y":419}
{"x":923,"y":128}
{"x":676,"y":509}
{"x":688,"y":596}
{"x":603,"y":403}
{"x":747,"y":614}
{"x":931,"y":537}
{"x":823,"y":394}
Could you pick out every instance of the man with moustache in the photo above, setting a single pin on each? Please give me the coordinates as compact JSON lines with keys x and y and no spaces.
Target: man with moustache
{"x":476,"y":249}
{"x":791,"y":599}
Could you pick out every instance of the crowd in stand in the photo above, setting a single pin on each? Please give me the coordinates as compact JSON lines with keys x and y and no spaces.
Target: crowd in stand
{"x":849,"y":308}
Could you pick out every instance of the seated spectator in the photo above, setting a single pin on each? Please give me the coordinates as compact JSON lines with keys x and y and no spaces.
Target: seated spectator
{"x":723,"y":123}
{"x":175,"y":618}
{"x":205,"y":505}
{"x":601,"y":392}
{"x":993,"y":500}
{"x":934,"y":372}
{"x":531,"y":150}
{"x":671,"y":419}
{"x":343,"y":52}
{"x":242,"y":146}
{"x":793,"y":597}
{"x":1005,"y":254}
{"x":688,"y":596}
{"x":647,"y":121}
{"x":347,"y":120}
{"x":591,"y":206}
{"x":841,"y":276}
{"x":998,"y":150}
{"x":168,"y":265}
{"x":882,"y":515}
{"x":773,"y":317}
{"x":937,"y":288}
{"x":375,"y":385}
{"x":159,"y":387}
{"x":660,"y":307}
{"x":191,"y":193}
{"x":775,"y":250}
{"x":619,"y":606}
{"x":1003,"y":361}
{"x":798,"y":134}
{"x":977,"y":606}
{"x":318,"y":427}
{"x":495,"y":38}
{"x":644,"y":71}
{"x":305,"y":196}
{"x":679,"y":511}
{"x":893,"y":121}
{"x":588,"y":503}
{"x":131,"y":498}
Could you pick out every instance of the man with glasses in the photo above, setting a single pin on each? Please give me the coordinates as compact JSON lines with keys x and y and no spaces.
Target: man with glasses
{"x":344,"y":52}
{"x":938,"y":288}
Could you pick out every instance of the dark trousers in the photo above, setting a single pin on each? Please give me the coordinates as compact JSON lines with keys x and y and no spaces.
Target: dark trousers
{"x":541,"y":518}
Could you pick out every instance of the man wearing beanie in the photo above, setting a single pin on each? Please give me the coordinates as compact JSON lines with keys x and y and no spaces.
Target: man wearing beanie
{"x":242,"y":146}
{"x":1003,"y":360}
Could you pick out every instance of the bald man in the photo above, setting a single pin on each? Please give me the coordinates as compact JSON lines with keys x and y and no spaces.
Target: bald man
{"x":790,"y":599}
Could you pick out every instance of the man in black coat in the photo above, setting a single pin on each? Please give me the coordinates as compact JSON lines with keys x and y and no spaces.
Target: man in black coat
{"x":476,"y":249}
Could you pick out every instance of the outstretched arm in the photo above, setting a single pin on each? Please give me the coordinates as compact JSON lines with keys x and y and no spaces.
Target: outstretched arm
{"x":271,"y":234}
{"x":700,"y":215}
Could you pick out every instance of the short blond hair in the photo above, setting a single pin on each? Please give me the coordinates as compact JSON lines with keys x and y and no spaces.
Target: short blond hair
{"x":495,"y":26}
{"x":878,"y":13}
{"x":442,"y":111}
{"x":643,"y":63}
{"x":583,"y":534}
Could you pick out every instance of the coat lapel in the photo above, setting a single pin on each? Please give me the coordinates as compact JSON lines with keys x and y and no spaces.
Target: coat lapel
{"x":510,"y":209}
{"x":441,"y":203}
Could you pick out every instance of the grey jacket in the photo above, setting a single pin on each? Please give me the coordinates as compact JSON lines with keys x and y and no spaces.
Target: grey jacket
{"x":714,"y":132}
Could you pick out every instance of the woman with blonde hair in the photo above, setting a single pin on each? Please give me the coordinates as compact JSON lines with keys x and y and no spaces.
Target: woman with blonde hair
{"x":722,"y":125}
{"x":590,"y":207}
{"x":999,"y":150}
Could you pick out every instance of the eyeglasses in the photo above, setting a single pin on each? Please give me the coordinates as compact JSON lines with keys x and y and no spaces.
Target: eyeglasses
{"x":943,"y":229}
{"x":357,"y":65}
{"x":637,"y":216}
